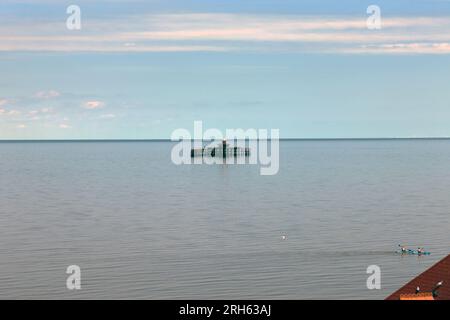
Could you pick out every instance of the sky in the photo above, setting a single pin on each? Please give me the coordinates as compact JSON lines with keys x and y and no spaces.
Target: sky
{"x":141,"y":69}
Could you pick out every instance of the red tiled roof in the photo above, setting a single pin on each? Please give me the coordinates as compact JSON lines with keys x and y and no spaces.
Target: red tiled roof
{"x":427,"y":281}
{"x":418,"y":296}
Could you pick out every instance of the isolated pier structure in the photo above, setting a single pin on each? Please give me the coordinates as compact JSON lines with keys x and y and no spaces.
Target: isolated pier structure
{"x":223,"y":150}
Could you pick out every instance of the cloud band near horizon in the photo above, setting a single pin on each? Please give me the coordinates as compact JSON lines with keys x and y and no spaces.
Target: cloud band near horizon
{"x":232,"y":32}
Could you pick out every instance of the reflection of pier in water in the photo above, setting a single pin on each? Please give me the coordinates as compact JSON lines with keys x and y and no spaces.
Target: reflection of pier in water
{"x":223,"y":150}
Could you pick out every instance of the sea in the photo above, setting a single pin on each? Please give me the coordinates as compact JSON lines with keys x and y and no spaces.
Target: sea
{"x":139,"y":226}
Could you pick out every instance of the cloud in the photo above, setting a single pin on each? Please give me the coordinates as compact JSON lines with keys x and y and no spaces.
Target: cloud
{"x":405,"y":48}
{"x":21,"y":126}
{"x":42,"y":110}
{"x":10,"y":115}
{"x":231,"y":32}
{"x":12,"y":112}
{"x":91,"y":105}
{"x":3,"y":102}
{"x":108,"y":116}
{"x":47,"y":94}
{"x":64,"y":126}
{"x":109,"y":47}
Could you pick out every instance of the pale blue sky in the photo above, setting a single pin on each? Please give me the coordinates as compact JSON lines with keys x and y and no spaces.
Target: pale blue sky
{"x":139,"y":71}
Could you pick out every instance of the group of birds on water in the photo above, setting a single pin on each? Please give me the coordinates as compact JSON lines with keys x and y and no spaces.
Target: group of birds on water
{"x":419,"y":251}
{"x":403,"y":249}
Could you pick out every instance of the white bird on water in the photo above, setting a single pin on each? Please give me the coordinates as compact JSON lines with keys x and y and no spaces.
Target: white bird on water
{"x":283,"y":237}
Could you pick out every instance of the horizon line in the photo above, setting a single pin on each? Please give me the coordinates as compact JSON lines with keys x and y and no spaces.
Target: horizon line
{"x":169,"y":140}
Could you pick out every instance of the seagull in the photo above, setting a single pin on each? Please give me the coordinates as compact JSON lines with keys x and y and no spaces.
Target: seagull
{"x":436,"y":288}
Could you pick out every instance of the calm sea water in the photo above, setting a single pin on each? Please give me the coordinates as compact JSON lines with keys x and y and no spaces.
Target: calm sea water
{"x":141,"y":227}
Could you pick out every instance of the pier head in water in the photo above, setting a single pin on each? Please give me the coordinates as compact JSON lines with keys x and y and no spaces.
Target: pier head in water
{"x":237,"y":146}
